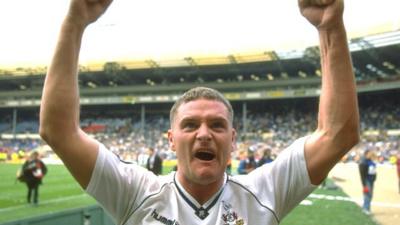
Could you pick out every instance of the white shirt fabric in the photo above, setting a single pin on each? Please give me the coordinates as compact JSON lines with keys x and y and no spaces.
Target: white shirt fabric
{"x":134,"y":196}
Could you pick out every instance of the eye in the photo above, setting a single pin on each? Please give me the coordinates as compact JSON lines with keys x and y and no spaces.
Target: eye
{"x":189,"y":125}
{"x":218,"y":125}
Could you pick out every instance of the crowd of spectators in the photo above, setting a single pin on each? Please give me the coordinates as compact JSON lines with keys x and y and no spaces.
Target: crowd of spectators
{"x":270,"y":125}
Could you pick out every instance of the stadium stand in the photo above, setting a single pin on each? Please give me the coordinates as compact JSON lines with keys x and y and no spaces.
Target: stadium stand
{"x":283,"y":84}
{"x":275,"y":123}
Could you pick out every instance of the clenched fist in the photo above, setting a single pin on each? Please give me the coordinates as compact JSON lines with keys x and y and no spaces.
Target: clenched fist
{"x":323,"y":14}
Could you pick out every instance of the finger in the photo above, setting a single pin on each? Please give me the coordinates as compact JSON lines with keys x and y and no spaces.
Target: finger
{"x":317,"y":2}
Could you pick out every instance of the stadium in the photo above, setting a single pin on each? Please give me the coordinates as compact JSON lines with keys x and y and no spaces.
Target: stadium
{"x":125,"y":104}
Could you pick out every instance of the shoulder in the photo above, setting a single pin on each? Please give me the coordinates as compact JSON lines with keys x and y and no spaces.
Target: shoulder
{"x":242,"y":186}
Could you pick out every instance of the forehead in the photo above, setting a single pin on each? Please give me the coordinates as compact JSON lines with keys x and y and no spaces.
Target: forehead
{"x":202,"y":108}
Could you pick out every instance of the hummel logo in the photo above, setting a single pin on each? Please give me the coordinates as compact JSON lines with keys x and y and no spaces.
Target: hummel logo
{"x":163,"y":219}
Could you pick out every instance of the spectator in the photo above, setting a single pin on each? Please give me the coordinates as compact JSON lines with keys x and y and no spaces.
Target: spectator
{"x":265,"y":156}
{"x":367,"y":169}
{"x":154,"y":162}
{"x":33,"y":171}
{"x":247,"y":162}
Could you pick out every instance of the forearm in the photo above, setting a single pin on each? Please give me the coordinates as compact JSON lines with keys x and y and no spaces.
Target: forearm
{"x":338,"y":125}
{"x":338,"y":111}
{"x":59,"y":115}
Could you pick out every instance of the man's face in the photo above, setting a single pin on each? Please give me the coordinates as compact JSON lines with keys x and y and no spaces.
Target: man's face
{"x":203,"y":139}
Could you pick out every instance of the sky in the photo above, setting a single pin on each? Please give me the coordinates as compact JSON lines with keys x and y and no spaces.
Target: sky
{"x":174,"y":29}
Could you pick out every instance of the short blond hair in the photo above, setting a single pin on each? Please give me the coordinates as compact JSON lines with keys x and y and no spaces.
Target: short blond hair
{"x":200,"y":93}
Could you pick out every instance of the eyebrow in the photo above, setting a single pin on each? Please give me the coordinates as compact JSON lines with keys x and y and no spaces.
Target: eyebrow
{"x":212,"y":120}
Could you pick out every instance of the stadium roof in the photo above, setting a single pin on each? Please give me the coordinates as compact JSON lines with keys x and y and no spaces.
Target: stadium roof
{"x":376,"y":68}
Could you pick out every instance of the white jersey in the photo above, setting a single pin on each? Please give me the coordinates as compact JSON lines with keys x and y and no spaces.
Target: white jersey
{"x":134,"y":196}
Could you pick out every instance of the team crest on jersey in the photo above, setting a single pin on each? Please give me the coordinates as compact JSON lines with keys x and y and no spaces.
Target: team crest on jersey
{"x":231,"y":217}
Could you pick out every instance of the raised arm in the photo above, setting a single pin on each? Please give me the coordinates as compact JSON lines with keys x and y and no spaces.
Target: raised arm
{"x":59,"y":111}
{"x":338,"y":119}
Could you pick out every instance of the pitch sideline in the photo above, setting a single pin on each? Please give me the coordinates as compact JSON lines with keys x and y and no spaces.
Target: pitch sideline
{"x":347,"y":199}
{"x":25,"y":205}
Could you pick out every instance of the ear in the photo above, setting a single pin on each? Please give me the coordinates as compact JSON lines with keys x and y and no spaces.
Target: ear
{"x":171,"y":140}
{"x":234,"y":146}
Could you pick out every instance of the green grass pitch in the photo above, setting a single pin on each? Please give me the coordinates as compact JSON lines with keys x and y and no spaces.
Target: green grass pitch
{"x":60,"y":192}
{"x":328,"y":212}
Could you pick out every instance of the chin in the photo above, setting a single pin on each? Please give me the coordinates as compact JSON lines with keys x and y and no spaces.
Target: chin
{"x":208,"y":175}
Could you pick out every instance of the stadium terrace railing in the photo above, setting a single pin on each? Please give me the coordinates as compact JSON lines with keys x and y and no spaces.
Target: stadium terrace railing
{"x":92,"y":215}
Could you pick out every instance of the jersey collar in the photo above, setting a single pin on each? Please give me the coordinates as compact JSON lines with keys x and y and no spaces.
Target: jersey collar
{"x":201,"y":211}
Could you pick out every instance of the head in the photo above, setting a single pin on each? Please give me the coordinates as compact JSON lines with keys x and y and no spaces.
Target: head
{"x":200,"y":93}
{"x":202,"y":135}
{"x":150,"y":151}
{"x":242,"y":154}
{"x":265,"y":152}
{"x":34,"y":155}
{"x":370,"y":154}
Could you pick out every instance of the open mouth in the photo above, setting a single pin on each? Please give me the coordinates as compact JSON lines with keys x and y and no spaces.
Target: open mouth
{"x":206,"y":156}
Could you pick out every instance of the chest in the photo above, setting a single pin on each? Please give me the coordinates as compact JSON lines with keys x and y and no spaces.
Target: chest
{"x":229,"y":209}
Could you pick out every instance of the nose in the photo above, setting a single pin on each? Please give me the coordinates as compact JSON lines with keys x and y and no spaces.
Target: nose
{"x":203,"y":133}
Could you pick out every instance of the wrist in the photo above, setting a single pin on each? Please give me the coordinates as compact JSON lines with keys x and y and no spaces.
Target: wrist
{"x":73,"y":23}
{"x":73,"y":27}
{"x":333,"y":38}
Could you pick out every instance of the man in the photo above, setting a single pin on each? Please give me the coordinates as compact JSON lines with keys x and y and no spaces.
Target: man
{"x":367,"y":168}
{"x":202,"y":135}
{"x":154,"y":162}
{"x":265,"y":158}
{"x":33,"y":171}
{"x":247,"y":162}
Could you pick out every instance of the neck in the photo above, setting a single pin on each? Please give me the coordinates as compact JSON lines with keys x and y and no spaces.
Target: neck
{"x":201,"y":192}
